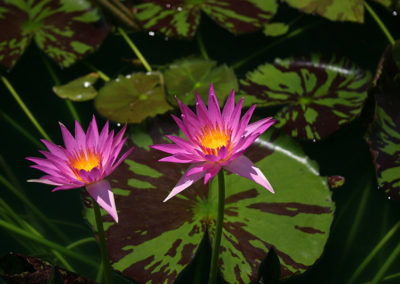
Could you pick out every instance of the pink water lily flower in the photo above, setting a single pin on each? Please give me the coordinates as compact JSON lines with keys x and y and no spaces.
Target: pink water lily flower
{"x":215,"y":141}
{"x":85,"y":161}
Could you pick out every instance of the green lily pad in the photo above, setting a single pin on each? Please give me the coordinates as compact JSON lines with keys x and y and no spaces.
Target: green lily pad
{"x":392,"y":5}
{"x":181,"y":18}
{"x":276,"y":29}
{"x":184,"y":77}
{"x":320,"y":93}
{"x":132,"y":98}
{"x":154,"y":241}
{"x":384,"y":133}
{"x":79,"y":90}
{"x":65,"y":30}
{"x":336,"y":10}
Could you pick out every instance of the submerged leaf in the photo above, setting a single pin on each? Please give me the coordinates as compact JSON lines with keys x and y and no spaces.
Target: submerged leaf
{"x":79,"y":90}
{"x":184,"y":77}
{"x":335,"y":10}
{"x":65,"y":30}
{"x":132,"y":98}
{"x":181,"y":18}
{"x":320,"y":93}
{"x":384,"y":134}
{"x":154,"y":241}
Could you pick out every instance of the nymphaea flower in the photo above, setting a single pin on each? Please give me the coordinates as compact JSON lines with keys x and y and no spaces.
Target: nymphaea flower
{"x":85,"y":161}
{"x":215,"y":141}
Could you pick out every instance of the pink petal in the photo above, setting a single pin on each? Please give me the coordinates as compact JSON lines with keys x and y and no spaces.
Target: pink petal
{"x":197,"y":168}
{"x":259,"y":126}
{"x":214,"y":112}
{"x":119,"y":135}
{"x":245,"y":168}
{"x":80,"y":135}
{"x":45,"y":181}
{"x":69,"y":140}
{"x":212,"y":172}
{"x":185,"y":182}
{"x":182,"y":126}
{"x":178,"y":158}
{"x":201,"y":110}
{"x":103,"y":195}
{"x":104,"y":135}
{"x":234,"y":121}
{"x":57,"y":150}
{"x":238,"y":132}
{"x":123,"y":157}
{"x":229,"y":107}
{"x":168,"y":148}
{"x":92,"y":134}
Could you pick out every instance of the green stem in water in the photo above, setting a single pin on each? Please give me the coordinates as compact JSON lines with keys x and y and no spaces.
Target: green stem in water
{"x":379,"y":22}
{"x":47,"y":243}
{"x":103,"y":246}
{"x":381,"y":272}
{"x":218,"y":228}
{"x":103,"y":76}
{"x":135,"y":49}
{"x":57,"y":82}
{"x":202,"y":48}
{"x":81,"y":242}
{"x":372,"y":254}
{"x":24,"y":107}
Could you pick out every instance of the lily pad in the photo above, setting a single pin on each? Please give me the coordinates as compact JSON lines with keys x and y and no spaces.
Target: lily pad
{"x":79,"y":90}
{"x":384,"y":134}
{"x":154,"y":241}
{"x":392,"y":5}
{"x":132,"y":98}
{"x":65,"y":30}
{"x":276,"y":29}
{"x":320,"y":93}
{"x":184,"y":77}
{"x":335,"y":10}
{"x":181,"y":18}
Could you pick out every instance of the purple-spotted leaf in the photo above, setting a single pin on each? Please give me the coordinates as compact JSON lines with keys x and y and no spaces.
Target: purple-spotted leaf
{"x":154,"y":241}
{"x":181,"y":18}
{"x":79,"y":90}
{"x":184,"y":77}
{"x":65,"y":30}
{"x":132,"y":98}
{"x":335,"y":10}
{"x":384,"y":133}
{"x":320,"y":93}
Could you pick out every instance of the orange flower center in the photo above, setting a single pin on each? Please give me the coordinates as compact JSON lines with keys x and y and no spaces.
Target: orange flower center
{"x":212,"y":139}
{"x":85,"y":160}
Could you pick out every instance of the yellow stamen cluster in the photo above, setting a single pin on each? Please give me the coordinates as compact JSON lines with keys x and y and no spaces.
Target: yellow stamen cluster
{"x":85,"y":160}
{"x":212,"y":138}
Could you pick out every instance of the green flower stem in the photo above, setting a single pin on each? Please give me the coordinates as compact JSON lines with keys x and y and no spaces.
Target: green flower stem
{"x":135,"y":49}
{"x":24,"y":107}
{"x":380,"y":23}
{"x":32,"y":207}
{"x":218,"y":228}
{"x":21,"y":130}
{"x":275,"y":43}
{"x":202,"y":48}
{"x":80,"y":242}
{"x":372,"y":254}
{"x":103,"y":246}
{"x":48,"y":243}
{"x":103,"y":76}
{"x":57,"y":82}
{"x":381,"y":272}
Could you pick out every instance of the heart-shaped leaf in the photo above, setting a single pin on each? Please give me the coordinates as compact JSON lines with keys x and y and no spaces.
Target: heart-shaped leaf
{"x":181,"y":18}
{"x":79,"y":90}
{"x":320,"y":93}
{"x":132,"y":98}
{"x":384,"y":134}
{"x":154,"y":241}
{"x":184,"y":77}
{"x":65,"y":30}
{"x":336,"y":10}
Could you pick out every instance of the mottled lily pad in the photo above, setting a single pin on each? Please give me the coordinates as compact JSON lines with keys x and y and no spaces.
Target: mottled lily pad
{"x":181,"y":18}
{"x":154,"y":241}
{"x":79,"y":90}
{"x":132,"y":98}
{"x":320,"y":93}
{"x":275,"y":29}
{"x":335,"y":10}
{"x":384,"y":133}
{"x":184,"y":77}
{"x":65,"y":30}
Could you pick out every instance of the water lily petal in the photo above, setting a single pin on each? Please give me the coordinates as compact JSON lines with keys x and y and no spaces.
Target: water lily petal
{"x":103,"y":195}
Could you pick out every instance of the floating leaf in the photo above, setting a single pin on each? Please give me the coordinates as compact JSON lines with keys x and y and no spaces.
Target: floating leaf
{"x":392,"y":5}
{"x":181,"y":18}
{"x":79,"y":90}
{"x":320,"y":93}
{"x":384,"y":134}
{"x":335,"y":10}
{"x":132,"y":98}
{"x":184,"y":77}
{"x":154,"y":241}
{"x":275,"y":29}
{"x":65,"y":30}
